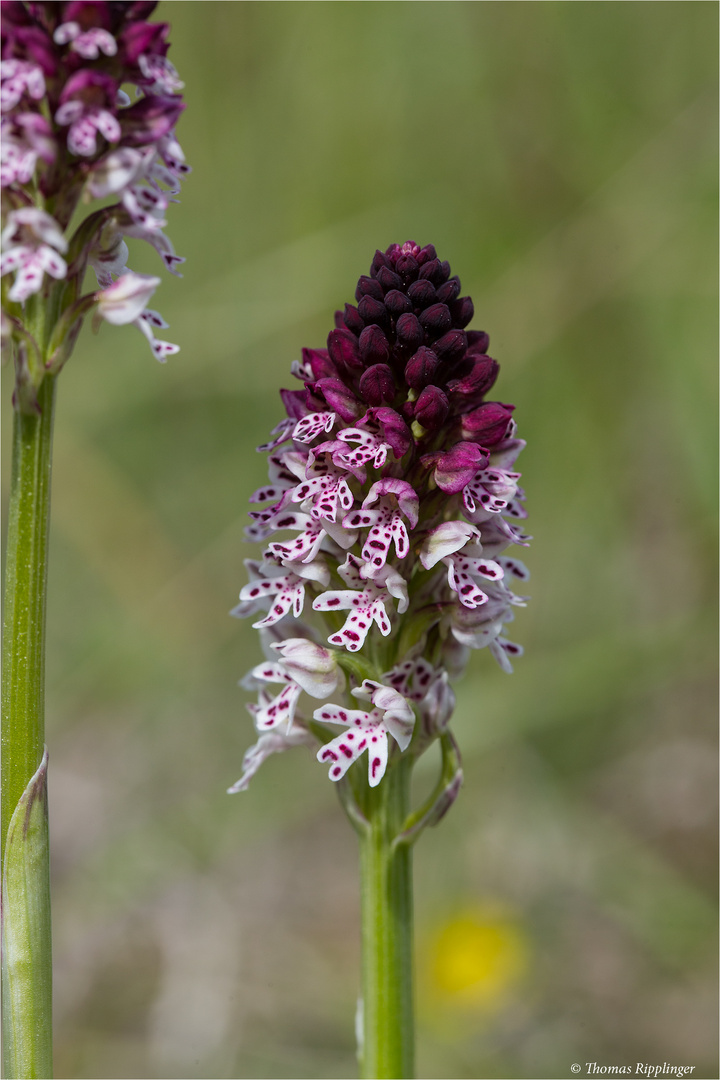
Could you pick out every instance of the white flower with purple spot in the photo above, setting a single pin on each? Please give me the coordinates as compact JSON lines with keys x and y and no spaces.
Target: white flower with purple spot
{"x":307,"y":545}
{"x":271,"y":712}
{"x":26,"y":139}
{"x":412,"y":678}
{"x":162,"y":72}
{"x":276,"y":495}
{"x":312,"y":425}
{"x":325,"y":489}
{"x":18,"y":77}
{"x":86,"y":43}
{"x":366,"y":602}
{"x":369,"y":447}
{"x":125,"y":300}
{"x":31,"y":243}
{"x":490,"y":490}
{"x":282,"y":588}
{"x":463,"y":570}
{"x":366,"y":731}
{"x":395,"y":499}
{"x":84,"y":123}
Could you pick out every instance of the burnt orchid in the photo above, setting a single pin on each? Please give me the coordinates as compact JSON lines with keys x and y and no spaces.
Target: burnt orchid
{"x":71,"y":136}
{"x":88,"y":107}
{"x":391,"y":500}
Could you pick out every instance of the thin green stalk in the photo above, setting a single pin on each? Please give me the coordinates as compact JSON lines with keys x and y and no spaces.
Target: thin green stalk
{"x":23,"y":702}
{"x":387,"y":1049}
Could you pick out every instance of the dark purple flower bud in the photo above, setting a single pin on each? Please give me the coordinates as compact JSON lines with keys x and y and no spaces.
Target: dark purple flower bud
{"x":462,"y":311}
{"x":379,"y":259}
{"x":477,"y":381}
{"x":320,"y":363}
{"x":432,"y":408}
{"x":451,"y":346}
{"x":340,"y":399}
{"x":149,"y":119}
{"x":372,"y":311}
{"x":388,"y":279}
{"x":478,"y":341}
{"x":421,"y":368}
{"x":339,"y":320}
{"x":368,"y":286}
{"x":31,"y":43}
{"x":143,"y":39}
{"x":344,"y":351}
{"x":422,"y":293}
{"x":394,"y":429}
{"x":14,"y":14}
{"x":449,"y":291}
{"x":295,"y":403}
{"x":406,"y":267}
{"x":488,"y":423}
{"x":138,"y":9}
{"x":374,"y":347}
{"x":436,"y":319}
{"x":426,"y":254}
{"x":377,"y":384}
{"x":445,"y":268}
{"x":351,"y":319}
{"x":88,"y":13}
{"x":409,"y":331}
{"x":432,"y":272}
{"x":397,"y":302}
{"x":315,"y":402}
{"x":458,"y":466}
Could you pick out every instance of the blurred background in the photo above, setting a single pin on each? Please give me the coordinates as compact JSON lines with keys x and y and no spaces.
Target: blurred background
{"x":563,"y":158}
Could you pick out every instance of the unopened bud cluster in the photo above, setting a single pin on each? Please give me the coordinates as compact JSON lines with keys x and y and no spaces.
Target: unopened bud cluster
{"x":72,"y":135}
{"x":391,"y":501}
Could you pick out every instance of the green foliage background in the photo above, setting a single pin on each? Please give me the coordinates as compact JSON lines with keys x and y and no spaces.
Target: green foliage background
{"x":562,"y":156}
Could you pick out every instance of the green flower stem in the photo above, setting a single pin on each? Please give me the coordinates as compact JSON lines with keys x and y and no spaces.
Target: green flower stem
{"x":387,"y":1049}
{"x":23,"y":681}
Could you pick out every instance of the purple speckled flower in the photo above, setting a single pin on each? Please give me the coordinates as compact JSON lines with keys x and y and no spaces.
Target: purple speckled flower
{"x":394,"y":477}
{"x":70,"y":134}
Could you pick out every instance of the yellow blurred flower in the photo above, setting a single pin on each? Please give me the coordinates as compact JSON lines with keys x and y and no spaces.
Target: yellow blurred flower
{"x":477,"y":958}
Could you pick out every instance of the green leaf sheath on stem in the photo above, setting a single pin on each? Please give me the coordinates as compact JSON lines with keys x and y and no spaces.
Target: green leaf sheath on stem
{"x":23,"y":716}
{"x":26,"y":944}
{"x":23,"y":686}
{"x":387,"y":1049}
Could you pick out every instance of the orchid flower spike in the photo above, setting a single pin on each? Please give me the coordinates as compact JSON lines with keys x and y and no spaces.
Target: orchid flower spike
{"x":70,"y":136}
{"x":391,"y":499}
